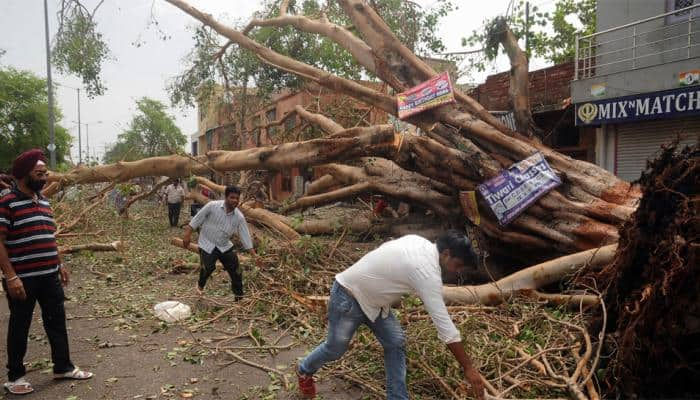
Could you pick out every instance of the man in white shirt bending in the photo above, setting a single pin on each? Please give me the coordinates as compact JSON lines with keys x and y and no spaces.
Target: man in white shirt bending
{"x":364,"y":293}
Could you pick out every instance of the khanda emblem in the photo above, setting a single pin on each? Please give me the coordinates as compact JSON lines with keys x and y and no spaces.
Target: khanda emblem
{"x":587,"y":112}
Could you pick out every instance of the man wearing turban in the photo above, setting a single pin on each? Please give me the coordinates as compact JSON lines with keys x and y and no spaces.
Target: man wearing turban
{"x":32,"y":272}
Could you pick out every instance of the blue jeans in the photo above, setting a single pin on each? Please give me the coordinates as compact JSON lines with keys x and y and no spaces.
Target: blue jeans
{"x":344,"y":317}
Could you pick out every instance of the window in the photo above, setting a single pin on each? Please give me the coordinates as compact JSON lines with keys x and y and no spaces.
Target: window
{"x":672,"y":5}
{"x":255,"y":130}
{"x":286,"y":181}
{"x":210,"y":138}
{"x":271,"y":116}
{"x":290,"y":123}
{"x":256,"y":137}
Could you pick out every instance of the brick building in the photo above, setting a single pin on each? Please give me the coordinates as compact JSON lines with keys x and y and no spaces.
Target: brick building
{"x":550,"y":91}
{"x":274,"y":122}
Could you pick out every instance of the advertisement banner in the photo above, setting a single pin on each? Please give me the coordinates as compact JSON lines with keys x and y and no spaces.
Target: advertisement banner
{"x":429,"y":94}
{"x":518,"y":187}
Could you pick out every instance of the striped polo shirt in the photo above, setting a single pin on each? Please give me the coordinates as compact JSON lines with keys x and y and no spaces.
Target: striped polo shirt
{"x":218,"y":225}
{"x":30,"y":234}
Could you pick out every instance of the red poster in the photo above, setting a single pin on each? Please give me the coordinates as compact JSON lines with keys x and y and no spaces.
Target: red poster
{"x":429,"y":94}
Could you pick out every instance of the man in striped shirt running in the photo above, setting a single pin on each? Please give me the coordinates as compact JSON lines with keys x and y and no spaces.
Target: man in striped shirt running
{"x":32,"y":272}
{"x":218,"y":221}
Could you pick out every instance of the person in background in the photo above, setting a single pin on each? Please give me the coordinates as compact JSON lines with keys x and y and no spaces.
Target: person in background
{"x":196,"y":205}
{"x":365,"y":292}
{"x":174,"y":196}
{"x":32,"y":272}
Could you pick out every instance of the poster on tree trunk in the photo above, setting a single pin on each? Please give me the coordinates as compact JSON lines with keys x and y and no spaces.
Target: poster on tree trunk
{"x":515,"y":189}
{"x":429,"y":94}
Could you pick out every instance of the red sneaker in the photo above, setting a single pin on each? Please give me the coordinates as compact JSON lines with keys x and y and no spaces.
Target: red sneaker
{"x":307,"y":387}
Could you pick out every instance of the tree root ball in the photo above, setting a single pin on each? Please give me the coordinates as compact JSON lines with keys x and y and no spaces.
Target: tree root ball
{"x":652,"y":287}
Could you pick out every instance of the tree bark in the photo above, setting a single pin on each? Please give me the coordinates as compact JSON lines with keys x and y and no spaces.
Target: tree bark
{"x":374,"y":141}
{"x":529,"y":279}
{"x":519,"y":88}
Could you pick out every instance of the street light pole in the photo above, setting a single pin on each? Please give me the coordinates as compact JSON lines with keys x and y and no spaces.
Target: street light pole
{"x":80,"y":146}
{"x":52,"y":134}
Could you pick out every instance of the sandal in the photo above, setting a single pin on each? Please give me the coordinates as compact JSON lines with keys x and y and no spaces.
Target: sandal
{"x":18,"y":387}
{"x":76,"y":374}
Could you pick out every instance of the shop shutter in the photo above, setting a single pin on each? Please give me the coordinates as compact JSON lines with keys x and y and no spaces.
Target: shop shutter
{"x":638,"y":142}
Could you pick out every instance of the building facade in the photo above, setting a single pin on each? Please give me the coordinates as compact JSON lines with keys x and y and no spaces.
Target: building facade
{"x":550,"y":90}
{"x":636,"y":80}
{"x":275,"y":121}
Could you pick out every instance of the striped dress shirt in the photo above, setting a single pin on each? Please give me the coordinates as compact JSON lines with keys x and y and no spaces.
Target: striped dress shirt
{"x":217,"y":226}
{"x":30,"y":234}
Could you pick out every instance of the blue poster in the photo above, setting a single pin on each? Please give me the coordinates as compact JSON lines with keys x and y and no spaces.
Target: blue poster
{"x":513,"y":190}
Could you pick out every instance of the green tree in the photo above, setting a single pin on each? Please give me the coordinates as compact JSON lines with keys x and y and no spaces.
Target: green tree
{"x":79,"y":47}
{"x":237,"y":69}
{"x":152,"y":132}
{"x":24,"y":117}
{"x":551,"y":36}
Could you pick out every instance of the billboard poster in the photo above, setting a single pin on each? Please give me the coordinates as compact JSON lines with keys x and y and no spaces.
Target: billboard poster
{"x":430,"y":94}
{"x":513,"y":190}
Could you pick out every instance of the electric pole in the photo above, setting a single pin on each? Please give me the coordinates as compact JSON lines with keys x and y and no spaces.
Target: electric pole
{"x":80,"y":146}
{"x":52,"y":133}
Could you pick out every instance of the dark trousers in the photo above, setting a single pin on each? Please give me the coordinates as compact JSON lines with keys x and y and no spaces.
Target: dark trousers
{"x":174,"y":213}
{"x":194,"y":209}
{"x":46,"y":290}
{"x":229,"y":259}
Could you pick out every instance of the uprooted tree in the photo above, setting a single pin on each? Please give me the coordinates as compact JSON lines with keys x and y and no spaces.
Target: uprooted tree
{"x":462,"y":145}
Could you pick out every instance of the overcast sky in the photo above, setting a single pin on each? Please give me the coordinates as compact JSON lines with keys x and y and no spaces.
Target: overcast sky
{"x":145,"y":70}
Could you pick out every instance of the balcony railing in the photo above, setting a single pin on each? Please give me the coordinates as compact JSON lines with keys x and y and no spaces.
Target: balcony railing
{"x":665,"y":38}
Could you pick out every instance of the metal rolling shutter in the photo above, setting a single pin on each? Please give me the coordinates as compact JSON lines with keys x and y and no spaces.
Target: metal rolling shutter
{"x":638,"y":142}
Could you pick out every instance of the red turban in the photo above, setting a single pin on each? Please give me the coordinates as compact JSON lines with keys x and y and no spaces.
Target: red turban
{"x":25,"y":162}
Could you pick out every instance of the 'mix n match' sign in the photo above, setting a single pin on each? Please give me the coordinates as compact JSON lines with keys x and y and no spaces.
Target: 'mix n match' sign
{"x":684,"y":101}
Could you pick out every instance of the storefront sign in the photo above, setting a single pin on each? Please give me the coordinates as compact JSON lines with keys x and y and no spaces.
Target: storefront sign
{"x":669,"y":103}
{"x":518,"y":187}
{"x":430,"y":94}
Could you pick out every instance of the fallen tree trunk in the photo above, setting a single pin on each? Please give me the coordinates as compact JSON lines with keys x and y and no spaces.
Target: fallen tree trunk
{"x":528,"y":279}
{"x":579,"y":215}
{"x":526,"y":282}
{"x":382,"y":176}
{"x":114,"y":246}
{"x":373,"y":141}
